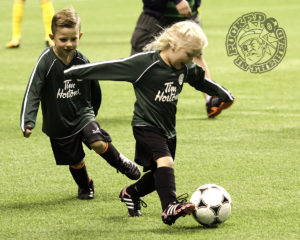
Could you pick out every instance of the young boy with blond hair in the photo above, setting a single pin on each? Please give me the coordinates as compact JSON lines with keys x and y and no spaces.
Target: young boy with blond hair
{"x":158,"y":76}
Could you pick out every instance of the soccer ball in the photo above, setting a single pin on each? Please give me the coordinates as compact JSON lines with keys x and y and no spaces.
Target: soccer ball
{"x":213,"y":205}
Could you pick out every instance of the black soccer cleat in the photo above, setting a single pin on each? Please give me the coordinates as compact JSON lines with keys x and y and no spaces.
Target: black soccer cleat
{"x":133,"y":204}
{"x":177,"y":209}
{"x":129,"y":168}
{"x":214,"y":106}
{"x":86,"y":193}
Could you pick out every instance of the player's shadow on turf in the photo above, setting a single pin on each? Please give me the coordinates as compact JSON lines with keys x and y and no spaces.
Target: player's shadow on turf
{"x":115,"y":219}
{"x":41,"y":203}
{"x":178,"y":230}
{"x":196,"y":119}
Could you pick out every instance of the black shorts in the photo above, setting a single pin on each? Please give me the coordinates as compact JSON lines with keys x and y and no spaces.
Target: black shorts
{"x":69,"y":151}
{"x":151,"y":144}
{"x":147,"y":28}
{"x":166,"y":22}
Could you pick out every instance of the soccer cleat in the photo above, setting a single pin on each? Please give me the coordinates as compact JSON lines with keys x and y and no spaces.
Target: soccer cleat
{"x":86,"y":193}
{"x":214,"y":106}
{"x":133,"y":204}
{"x":14,"y":43}
{"x":129,"y":168}
{"x":177,"y":209}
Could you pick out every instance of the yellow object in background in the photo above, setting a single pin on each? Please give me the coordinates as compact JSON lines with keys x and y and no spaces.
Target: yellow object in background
{"x":17,"y":17}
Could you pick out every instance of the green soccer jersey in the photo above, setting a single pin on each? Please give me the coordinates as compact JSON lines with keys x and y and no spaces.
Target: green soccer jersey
{"x":156,"y":85}
{"x":67,"y":105}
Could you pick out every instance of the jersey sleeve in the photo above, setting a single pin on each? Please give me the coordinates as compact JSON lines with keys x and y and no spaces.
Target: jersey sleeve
{"x":96,"y":96}
{"x":124,"y":69}
{"x":32,"y":97}
{"x":196,"y":78}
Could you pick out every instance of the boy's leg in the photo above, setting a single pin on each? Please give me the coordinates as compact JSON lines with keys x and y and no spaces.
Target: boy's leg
{"x":47,"y":12}
{"x":69,"y":151}
{"x":143,"y":186}
{"x":17,"y":17}
{"x":100,"y":141}
{"x":164,"y":179}
{"x":85,"y":184}
{"x":131,"y":195}
{"x":151,"y":144}
{"x":118,"y":161}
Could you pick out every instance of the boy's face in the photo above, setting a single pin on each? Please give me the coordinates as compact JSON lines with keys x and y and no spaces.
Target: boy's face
{"x":66,"y":41}
{"x":178,"y":57}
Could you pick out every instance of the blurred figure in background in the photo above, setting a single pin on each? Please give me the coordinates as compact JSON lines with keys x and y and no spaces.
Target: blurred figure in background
{"x":17,"y":17}
{"x":160,"y":14}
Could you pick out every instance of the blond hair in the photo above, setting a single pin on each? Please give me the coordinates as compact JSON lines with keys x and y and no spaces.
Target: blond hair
{"x":185,"y":34}
{"x":67,"y":18}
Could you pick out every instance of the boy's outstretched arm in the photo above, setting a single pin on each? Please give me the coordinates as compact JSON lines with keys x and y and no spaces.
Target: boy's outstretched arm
{"x":196,"y":78}
{"x":221,"y":97}
{"x":124,"y":69}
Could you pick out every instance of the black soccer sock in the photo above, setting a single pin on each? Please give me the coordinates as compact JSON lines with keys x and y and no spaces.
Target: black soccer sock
{"x":111,"y":155}
{"x":143,"y":186}
{"x":164,"y":181}
{"x":80,"y":175}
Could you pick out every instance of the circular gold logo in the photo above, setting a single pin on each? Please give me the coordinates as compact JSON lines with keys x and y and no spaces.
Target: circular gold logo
{"x":258,"y":43}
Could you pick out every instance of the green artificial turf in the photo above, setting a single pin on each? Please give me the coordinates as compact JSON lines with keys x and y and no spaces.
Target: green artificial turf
{"x":251,"y":149}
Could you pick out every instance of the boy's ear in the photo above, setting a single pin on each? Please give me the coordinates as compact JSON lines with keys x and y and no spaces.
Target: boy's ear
{"x":51,"y":36}
{"x":80,"y":34}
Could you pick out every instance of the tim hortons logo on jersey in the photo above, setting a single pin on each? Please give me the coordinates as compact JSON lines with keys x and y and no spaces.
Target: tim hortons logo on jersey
{"x":68,"y":91}
{"x":258,"y":43}
{"x":168,"y":94}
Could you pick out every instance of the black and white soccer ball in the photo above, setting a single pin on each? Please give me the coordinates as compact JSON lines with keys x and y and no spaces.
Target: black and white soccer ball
{"x":213,"y":205}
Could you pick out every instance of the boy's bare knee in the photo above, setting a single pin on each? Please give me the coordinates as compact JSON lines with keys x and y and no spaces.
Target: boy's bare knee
{"x":165,"y":162}
{"x":99,"y":146}
{"x":78,"y":165}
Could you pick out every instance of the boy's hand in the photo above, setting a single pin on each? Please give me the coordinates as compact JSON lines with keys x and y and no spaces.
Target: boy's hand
{"x":28,"y":131}
{"x":184,"y":9}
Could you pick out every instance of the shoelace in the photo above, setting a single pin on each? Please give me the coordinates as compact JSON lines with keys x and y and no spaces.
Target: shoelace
{"x":142,"y":203}
{"x":136,"y":201}
{"x":182,"y":198}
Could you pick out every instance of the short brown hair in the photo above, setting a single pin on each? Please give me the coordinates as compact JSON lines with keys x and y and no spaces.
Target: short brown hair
{"x":67,"y":18}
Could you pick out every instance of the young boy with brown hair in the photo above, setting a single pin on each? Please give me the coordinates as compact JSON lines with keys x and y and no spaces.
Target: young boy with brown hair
{"x":69,"y":107}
